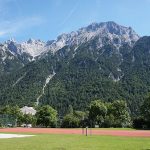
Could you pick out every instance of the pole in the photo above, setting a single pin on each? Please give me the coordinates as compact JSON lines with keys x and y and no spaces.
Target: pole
{"x":82,"y":130}
{"x":91,"y":128}
{"x":86,"y":131}
{"x":90,"y":131}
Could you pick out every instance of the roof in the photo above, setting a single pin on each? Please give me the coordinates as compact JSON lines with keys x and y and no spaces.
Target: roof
{"x":28,"y":110}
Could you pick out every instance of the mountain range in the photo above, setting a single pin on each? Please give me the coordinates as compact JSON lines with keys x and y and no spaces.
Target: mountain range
{"x":101,"y":61}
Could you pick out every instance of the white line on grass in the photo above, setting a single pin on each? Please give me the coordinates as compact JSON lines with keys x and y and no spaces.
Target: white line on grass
{"x":5,"y":136}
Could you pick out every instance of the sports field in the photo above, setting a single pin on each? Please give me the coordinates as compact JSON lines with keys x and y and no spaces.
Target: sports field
{"x":75,"y":141}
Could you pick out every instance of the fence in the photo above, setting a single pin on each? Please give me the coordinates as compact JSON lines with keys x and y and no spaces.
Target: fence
{"x":7,"y":120}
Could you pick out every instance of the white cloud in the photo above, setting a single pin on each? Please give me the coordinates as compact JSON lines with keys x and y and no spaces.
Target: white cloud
{"x":10,"y":24}
{"x":13,"y":27}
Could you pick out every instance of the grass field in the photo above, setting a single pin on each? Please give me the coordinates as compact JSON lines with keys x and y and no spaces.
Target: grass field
{"x":75,"y":142}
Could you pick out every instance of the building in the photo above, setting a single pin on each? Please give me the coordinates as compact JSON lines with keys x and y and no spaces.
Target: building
{"x":28,"y":110}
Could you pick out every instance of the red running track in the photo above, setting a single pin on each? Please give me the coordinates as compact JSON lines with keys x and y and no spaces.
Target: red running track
{"x":127,"y":133}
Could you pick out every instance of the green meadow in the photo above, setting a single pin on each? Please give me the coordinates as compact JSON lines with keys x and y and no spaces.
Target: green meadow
{"x":75,"y":142}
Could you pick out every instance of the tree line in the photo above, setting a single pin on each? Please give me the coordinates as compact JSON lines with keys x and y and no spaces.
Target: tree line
{"x":97,"y":114}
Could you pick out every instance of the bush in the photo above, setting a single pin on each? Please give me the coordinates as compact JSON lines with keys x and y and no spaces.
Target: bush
{"x":70,"y":121}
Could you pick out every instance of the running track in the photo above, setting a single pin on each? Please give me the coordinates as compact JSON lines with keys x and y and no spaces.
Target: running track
{"x":128,"y":133}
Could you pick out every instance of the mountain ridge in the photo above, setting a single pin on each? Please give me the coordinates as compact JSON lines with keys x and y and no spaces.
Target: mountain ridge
{"x":80,"y":36}
{"x":101,"y":61}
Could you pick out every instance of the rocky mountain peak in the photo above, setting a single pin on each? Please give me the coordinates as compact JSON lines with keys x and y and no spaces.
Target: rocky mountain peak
{"x":116,"y":34}
{"x":30,"y":41}
{"x":110,"y":30}
{"x":33,"y":41}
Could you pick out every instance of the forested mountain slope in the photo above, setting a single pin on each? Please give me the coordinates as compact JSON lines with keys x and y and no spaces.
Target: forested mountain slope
{"x":102,"y":61}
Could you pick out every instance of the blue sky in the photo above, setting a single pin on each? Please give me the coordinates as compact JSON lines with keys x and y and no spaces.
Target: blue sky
{"x":46,"y":19}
